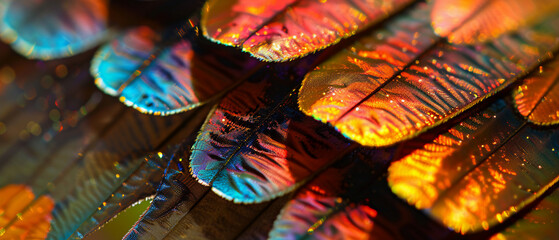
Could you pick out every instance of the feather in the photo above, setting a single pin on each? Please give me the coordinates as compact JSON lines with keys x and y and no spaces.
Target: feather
{"x":156,"y":74}
{"x":481,"y":171}
{"x":37,"y":112}
{"x":172,"y":202}
{"x":141,"y":184}
{"x":537,"y":224}
{"x":349,"y":202}
{"x":185,"y":209}
{"x":86,"y":160}
{"x":106,"y":165}
{"x":423,"y":90}
{"x":274,"y":31}
{"x":490,"y":18}
{"x":256,"y":146}
{"x":538,"y":96}
{"x":33,"y":28}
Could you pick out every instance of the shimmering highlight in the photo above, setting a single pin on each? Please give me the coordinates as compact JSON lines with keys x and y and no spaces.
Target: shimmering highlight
{"x":256,"y":146}
{"x":340,"y":83}
{"x":490,"y":18}
{"x":349,"y":202}
{"x":318,"y":211}
{"x":439,"y":81}
{"x":538,"y":97}
{"x":155,"y":78}
{"x":480,"y":172}
{"x":284,"y":30}
{"x":540,"y":223}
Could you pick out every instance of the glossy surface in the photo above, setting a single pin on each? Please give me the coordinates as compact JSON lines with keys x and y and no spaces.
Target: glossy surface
{"x":466,"y":21}
{"x":348,"y":203}
{"x":480,"y":172}
{"x":182,"y":207}
{"x":308,"y":208}
{"x":256,"y":146}
{"x":156,"y":76}
{"x":319,"y":203}
{"x":53,"y":29}
{"x":32,"y":214}
{"x":538,"y":97}
{"x":539,"y":223}
{"x":62,"y":137}
{"x":444,"y":80}
{"x":341,"y":82}
{"x":283,"y":30}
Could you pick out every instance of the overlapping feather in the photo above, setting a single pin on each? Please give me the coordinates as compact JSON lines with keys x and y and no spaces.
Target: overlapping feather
{"x":81,"y":146}
{"x":162,"y":74}
{"x":400,"y":95}
{"x":256,"y":146}
{"x":394,"y":83}
{"x":537,"y":224}
{"x":481,"y":171}
{"x":350,"y":202}
{"x":538,"y":97}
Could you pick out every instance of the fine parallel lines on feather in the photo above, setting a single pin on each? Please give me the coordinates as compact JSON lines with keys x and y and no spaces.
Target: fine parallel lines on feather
{"x":492,"y":153}
{"x":256,"y":146}
{"x":442,"y":81}
{"x":161,"y":75}
{"x":537,"y":98}
{"x":274,"y":30}
{"x":492,"y":18}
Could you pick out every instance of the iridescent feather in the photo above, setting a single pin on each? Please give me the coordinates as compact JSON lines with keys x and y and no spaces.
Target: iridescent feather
{"x":34,"y":222}
{"x":539,"y":223}
{"x":256,"y":146}
{"x":54,"y":28}
{"x":279,"y":31}
{"x":350,"y":202}
{"x":160,"y":74}
{"x":481,"y":171}
{"x":421,"y":81}
{"x":538,"y":97}
{"x":491,"y":18}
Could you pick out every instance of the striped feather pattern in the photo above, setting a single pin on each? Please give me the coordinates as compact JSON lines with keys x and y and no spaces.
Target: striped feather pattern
{"x":538,"y":97}
{"x":349,"y":202}
{"x":256,"y":146}
{"x":275,"y":30}
{"x":177,"y":194}
{"x":159,"y":73}
{"x":490,"y":19}
{"x":442,"y":82}
{"x":478,"y":168}
{"x":342,"y":81}
{"x":491,"y":159}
